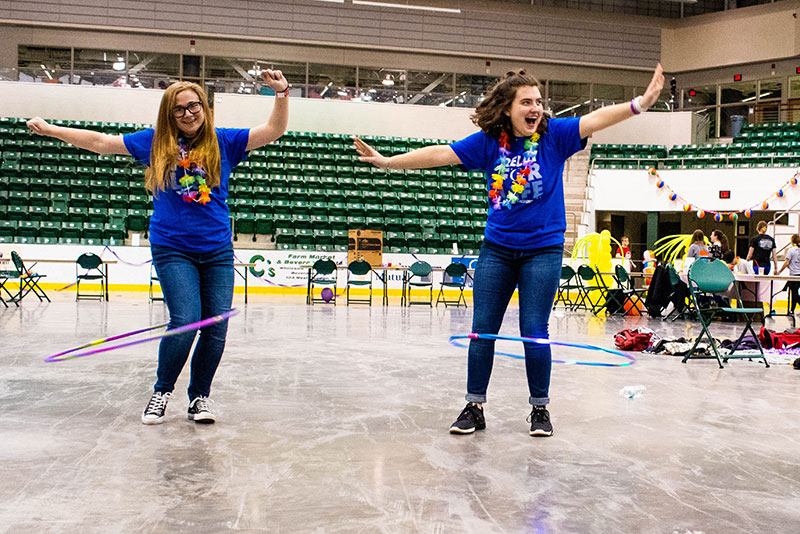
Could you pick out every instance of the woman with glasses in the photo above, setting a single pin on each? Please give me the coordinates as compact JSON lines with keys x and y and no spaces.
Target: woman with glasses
{"x":189,"y":163}
{"x":522,"y":153}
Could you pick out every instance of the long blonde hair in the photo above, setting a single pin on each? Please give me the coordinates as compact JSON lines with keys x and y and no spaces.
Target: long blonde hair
{"x":164,"y":153}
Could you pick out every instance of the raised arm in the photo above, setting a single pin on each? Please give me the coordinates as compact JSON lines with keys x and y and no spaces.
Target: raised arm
{"x":96,"y":142}
{"x":275,"y":126}
{"x":421,"y":158}
{"x":610,"y":115}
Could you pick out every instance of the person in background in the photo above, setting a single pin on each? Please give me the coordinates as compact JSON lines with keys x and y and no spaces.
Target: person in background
{"x":793,"y":263}
{"x":697,"y":247}
{"x":624,"y":250}
{"x":719,"y":245}
{"x":762,"y":246}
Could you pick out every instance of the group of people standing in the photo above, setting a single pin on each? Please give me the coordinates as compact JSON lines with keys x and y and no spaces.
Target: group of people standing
{"x":519,"y":147}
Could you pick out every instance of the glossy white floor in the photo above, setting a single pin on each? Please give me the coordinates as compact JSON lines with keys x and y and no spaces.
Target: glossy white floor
{"x":335,"y":420}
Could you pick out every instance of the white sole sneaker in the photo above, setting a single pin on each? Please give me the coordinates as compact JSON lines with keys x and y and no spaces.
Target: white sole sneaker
{"x":206,"y":418}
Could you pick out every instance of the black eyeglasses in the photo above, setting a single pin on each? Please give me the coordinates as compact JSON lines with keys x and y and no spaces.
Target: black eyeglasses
{"x":193,"y":108}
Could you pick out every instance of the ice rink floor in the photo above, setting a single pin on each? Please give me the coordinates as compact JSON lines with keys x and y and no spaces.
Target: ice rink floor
{"x":336,"y":420}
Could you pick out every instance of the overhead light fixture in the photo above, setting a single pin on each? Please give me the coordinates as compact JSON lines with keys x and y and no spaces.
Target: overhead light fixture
{"x":326,"y":89}
{"x":405,"y":6}
{"x":573,"y":107}
{"x":119,"y":64}
{"x":388,"y":81}
{"x":759,"y":96}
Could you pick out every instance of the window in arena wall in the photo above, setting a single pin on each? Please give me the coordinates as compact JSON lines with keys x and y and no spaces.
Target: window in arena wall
{"x":739,"y":92}
{"x":794,"y":87}
{"x":569,"y":99}
{"x":44,"y":64}
{"x":769,"y":89}
{"x":606,"y":95}
{"x":431,"y":88}
{"x":471,"y":89}
{"x":100,"y":67}
{"x":334,"y":82}
{"x":382,"y":84}
{"x":703,"y":97}
{"x":153,"y":71}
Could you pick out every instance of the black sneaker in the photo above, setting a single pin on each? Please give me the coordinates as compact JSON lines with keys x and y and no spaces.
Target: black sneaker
{"x":154,"y":413}
{"x":470,"y":420}
{"x":540,"y":422}
{"x":200,"y":411}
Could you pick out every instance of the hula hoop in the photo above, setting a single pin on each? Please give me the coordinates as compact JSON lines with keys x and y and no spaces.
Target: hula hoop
{"x":541,"y":341}
{"x":68,"y":354}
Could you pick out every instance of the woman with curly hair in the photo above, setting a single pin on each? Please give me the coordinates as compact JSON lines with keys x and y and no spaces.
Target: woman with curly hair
{"x":522,"y":152}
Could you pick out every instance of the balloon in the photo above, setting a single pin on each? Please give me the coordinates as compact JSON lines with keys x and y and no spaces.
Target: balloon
{"x":327,"y":294}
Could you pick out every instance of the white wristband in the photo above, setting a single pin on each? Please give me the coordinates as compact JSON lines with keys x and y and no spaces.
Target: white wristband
{"x":283,"y":93}
{"x":637,"y":103}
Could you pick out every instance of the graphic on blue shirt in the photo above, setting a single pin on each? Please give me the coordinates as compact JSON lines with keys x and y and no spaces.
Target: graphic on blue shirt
{"x":192,"y":226}
{"x":538,"y":218}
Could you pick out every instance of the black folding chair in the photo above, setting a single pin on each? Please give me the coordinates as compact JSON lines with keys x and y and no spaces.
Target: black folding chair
{"x":7,"y":277}
{"x":419,"y":277}
{"x":568,"y":283}
{"x":153,"y":281}
{"x":454,"y":277}
{"x":715,"y":278}
{"x":28,"y":280}
{"x":586,"y":278}
{"x":88,"y":268}
{"x":359,"y":274}
{"x":626,"y":290}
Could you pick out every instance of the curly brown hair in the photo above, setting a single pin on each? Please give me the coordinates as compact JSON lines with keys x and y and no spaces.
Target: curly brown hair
{"x":490,"y":114}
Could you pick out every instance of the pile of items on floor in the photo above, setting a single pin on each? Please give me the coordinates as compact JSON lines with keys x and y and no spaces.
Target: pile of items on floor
{"x":780,"y":347}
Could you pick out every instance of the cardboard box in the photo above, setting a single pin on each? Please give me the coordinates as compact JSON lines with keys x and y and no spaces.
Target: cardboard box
{"x":366,"y":244}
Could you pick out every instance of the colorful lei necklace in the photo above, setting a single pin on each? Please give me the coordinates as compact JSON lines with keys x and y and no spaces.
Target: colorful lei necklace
{"x":193,"y":172}
{"x":499,"y":196}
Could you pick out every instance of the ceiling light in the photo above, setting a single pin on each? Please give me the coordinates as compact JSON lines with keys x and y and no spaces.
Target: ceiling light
{"x":405,"y":6}
{"x":118,"y":65}
{"x":388,"y":81}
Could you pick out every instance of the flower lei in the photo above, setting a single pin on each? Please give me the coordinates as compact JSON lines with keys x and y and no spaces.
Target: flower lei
{"x":193,"y":172}
{"x":500,"y":197}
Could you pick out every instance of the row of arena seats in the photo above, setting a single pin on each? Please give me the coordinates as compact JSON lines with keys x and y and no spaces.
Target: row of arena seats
{"x":761,"y":146}
{"x":304,"y":191}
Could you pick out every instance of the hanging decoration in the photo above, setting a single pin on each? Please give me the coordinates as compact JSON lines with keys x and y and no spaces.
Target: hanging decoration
{"x":720,"y":215}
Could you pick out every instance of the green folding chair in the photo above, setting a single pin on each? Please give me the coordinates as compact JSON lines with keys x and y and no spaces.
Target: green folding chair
{"x":569,"y":282}
{"x":323,"y":273}
{"x":359,"y":274}
{"x":715,"y":278}
{"x":419,"y":278}
{"x":454,"y":277}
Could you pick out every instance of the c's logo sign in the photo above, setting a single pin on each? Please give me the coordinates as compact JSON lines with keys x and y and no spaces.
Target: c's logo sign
{"x":255,"y":259}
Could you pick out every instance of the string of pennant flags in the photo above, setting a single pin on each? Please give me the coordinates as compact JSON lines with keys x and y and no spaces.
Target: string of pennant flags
{"x":733,"y":215}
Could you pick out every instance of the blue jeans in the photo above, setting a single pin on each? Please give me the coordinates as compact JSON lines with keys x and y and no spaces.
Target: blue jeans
{"x":195,"y":286}
{"x":498,"y":272}
{"x":758,"y":269}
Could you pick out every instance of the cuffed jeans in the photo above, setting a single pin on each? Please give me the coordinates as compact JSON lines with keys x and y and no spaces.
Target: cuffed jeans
{"x":195,"y":286}
{"x":498,"y":272}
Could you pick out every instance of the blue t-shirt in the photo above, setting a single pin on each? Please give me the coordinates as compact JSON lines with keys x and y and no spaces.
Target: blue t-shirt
{"x":191,"y":226}
{"x":538,"y":220}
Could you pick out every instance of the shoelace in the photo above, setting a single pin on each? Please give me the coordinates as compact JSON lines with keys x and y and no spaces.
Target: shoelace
{"x":157,"y":403}
{"x":540,"y":416}
{"x":468,"y":413}
{"x":202,"y":404}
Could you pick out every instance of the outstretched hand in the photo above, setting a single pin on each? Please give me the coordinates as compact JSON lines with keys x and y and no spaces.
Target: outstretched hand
{"x":651,"y":94}
{"x":275,"y":79}
{"x":369,"y":154}
{"x":39,"y":126}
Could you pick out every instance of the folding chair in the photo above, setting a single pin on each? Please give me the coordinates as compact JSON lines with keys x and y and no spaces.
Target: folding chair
{"x":626,"y":291}
{"x":6,"y":278}
{"x":323,"y":273}
{"x":362,"y":271}
{"x":568,"y":283}
{"x":28,"y":281}
{"x":586,"y":279}
{"x":88,"y":268}
{"x":419,"y":270}
{"x":457,"y":274}
{"x":153,"y":281}
{"x":715,"y":278}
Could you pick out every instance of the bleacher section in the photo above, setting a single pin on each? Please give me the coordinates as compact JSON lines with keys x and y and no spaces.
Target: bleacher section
{"x":757,"y":146}
{"x":304,"y":191}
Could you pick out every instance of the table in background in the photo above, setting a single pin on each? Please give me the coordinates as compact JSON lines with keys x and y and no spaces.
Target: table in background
{"x":104,"y":264}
